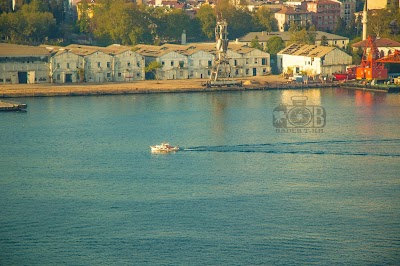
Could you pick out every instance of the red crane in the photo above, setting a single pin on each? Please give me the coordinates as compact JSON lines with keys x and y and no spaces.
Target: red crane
{"x":370,"y":67}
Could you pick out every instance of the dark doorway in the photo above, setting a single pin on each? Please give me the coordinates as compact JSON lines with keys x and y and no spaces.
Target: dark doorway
{"x":22,"y":77}
{"x":68,"y":78}
{"x":254,"y":71}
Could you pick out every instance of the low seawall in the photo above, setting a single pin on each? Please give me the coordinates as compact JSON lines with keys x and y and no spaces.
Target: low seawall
{"x":93,"y":90}
{"x":369,"y":87}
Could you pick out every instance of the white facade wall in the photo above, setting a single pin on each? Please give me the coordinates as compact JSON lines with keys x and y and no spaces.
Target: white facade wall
{"x":64,"y":67}
{"x":237,"y":63}
{"x":174,"y":66}
{"x":128,"y":66}
{"x":33,"y":69}
{"x":200,"y":64}
{"x":334,"y":61}
{"x":98,"y":67}
{"x":257,"y":63}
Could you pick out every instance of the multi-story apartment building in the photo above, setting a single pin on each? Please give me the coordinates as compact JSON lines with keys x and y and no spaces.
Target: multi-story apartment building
{"x":347,"y":10}
{"x":288,"y":15}
{"x":325,"y":13}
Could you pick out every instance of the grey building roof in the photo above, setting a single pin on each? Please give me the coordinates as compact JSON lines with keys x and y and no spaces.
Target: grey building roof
{"x":264,"y":36}
{"x":307,"y":50}
{"x":16,"y":50}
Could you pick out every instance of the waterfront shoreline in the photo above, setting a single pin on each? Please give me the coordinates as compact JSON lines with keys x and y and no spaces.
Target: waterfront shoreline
{"x":147,"y":86}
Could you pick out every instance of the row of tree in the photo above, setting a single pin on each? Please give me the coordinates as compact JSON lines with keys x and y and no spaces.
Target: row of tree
{"x":121,"y":21}
{"x":127,"y":23}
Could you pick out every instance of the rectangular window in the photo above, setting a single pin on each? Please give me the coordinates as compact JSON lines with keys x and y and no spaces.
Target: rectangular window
{"x":209,"y":64}
{"x":68,"y":65}
{"x":119,"y":74}
{"x":264,"y":61}
{"x":255,"y":60}
{"x":58,"y":77}
{"x":58,"y":65}
{"x":172,"y":63}
{"x":247,"y":71}
{"x":138,"y":64}
{"x":108,"y":75}
{"x":98,"y":64}
{"x":108,"y":64}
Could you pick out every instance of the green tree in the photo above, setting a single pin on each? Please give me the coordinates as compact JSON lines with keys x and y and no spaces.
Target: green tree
{"x":265,"y":19}
{"x":301,"y":35}
{"x":207,"y":20}
{"x":256,"y":44}
{"x":175,"y":22}
{"x":83,"y":21}
{"x":340,"y":27}
{"x":275,"y":44}
{"x":324,"y":40}
{"x":5,"y":6}
{"x":152,"y":68}
{"x":122,"y":22}
{"x":29,"y":24}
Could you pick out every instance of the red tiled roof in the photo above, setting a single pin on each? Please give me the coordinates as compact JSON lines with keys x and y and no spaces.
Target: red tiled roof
{"x":382,"y":42}
{"x":291,"y":10}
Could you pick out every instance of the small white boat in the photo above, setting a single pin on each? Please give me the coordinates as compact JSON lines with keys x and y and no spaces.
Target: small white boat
{"x":164,"y":147}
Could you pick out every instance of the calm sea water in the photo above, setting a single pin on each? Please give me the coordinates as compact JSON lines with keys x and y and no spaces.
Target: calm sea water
{"x":79,"y":186}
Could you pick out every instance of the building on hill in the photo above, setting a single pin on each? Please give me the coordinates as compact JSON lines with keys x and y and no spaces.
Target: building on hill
{"x":23,"y":64}
{"x":385,"y":46}
{"x":347,"y":10}
{"x":263,"y":37}
{"x":312,"y":59}
{"x":325,"y":13}
{"x":288,"y":15}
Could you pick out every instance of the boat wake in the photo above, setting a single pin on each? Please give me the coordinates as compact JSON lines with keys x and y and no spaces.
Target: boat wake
{"x":382,"y":147}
